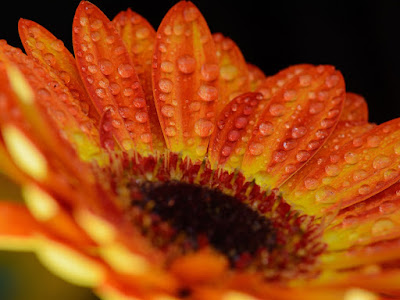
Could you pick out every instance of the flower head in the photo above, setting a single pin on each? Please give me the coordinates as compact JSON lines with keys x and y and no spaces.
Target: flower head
{"x":161,"y":164}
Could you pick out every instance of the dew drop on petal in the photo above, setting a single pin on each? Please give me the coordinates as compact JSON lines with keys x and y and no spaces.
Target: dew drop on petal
{"x":233,"y":135}
{"x":141,"y":116}
{"x":209,"y":72}
{"x":125,"y":70}
{"x":373,"y":141}
{"x":359,"y":175}
{"x":165,"y":85}
{"x":208,"y":93}
{"x":266,"y":128}
{"x":382,"y":226}
{"x":186,"y":64}
{"x":170,"y":131}
{"x":364,"y":189}
{"x":380,"y":162}
{"x":167,"y":110}
{"x":277,"y":110}
{"x":204,"y":127}
{"x":106,"y":66}
{"x":256,"y":149}
{"x":311,"y":183}
{"x":298,"y":132}
{"x":167,"y":66}
{"x":241,"y":122}
{"x":351,"y":158}
{"x":194,"y":106}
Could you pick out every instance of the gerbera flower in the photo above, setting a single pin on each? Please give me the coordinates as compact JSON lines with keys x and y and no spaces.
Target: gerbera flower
{"x":160,"y":165}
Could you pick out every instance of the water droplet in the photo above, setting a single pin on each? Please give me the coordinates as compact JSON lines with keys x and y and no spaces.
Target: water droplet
{"x":266,"y":128}
{"x":65,"y":77}
{"x":228,"y":72}
{"x":351,"y":158}
{"x":332,"y":170}
{"x":106,"y":66}
{"x":241,"y":122}
{"x":302,"y":156}
{"x":190,"y":14}
{"x":357,"y":142}
{"x":359,"y":175}
{"x":125,"y":70}
{"x":277,"y":109}
{"x":325,"y":195}
{"x":381,"y":161}
{"x":364,"y":189}
{"x":128,"y":92}
{"x":95,"y":36}
{"x":145,"y":137}
{"x":279,"y":156}
{"x":313,"y":145}
{"x":49,"y":59}
{"x":114,"y":88}
{"x":84,"y":21}
{"x":167,"y":110}
{"x":96,"y":24}
{"x":387,"y":208}
{"x":170,"y":131}
{"x":256,"y":149}
{"x":390,"y":174}
{"x":209,"y":72}
{"x":382,"y":226}
{"x":100,"y":93}
{"x":127,"y":144}
{"x":204,"y":127}
{"x":332,"y":81}
{"x":373,"y":141}
{"x":142,"y":33}
{"x":208,"y":93}
{"x":311,"y":183}
{"x":194,"y":106}
{"x":167,"y":66}
{"x":289,"y":95}
{"x":316,"y":107}
{"x":165,"y":85}
{"x":298,"y":132}
{"x":226,"y":151}
{"x":116,"y":123}
{"x":92,"y":69}
{"x":289,"y":144}
{"x":141,"y":116}
{"x":397,"y":148}
{"x":186,"y":64}
{"x":233,"y":135}
{"x":305,"y":80}
{"x":57,"y":45}
{"x":139,"y":102}
{"x":201,"y":150}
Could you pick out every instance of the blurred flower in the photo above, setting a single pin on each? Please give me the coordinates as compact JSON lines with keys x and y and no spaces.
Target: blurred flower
{"x":161,"y":165}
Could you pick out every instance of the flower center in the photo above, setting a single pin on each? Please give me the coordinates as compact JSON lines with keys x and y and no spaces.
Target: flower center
{"x":182,"y":206}
{"x":205,"y":216}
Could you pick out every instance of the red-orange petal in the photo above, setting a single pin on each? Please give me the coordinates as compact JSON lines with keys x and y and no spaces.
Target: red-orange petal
{"x":139,"y":37}
{"x":51,"y":53}
{"x":256,"y":76}
{"x":232,"y":124}
{"x":356,"y":171}
{"x":110,"y":78}
{"x":233,"y":72}
{"x":355,"y":108}
{"x":17,"y":226}
{"x":298,"y":118}
{"x":185,"y":80}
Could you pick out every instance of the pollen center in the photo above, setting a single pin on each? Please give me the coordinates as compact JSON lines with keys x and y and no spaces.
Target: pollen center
{"x":200,"y":216}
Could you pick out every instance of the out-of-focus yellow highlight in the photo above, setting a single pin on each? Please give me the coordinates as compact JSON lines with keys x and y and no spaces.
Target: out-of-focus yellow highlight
{"x":24,"y":152}
{"x":42,"y":206}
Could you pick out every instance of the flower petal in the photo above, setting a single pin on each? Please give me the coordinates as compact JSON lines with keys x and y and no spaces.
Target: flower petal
{"x":299,"y":117}
{"x":51,"y":53}
{"x":232,"y":124}
{"x":355,"y":108}
{"x":139,"y":38}
{"x":17,"y":227}
{"x":109,"y":76}
{"x":256,"y":76}
{"x":359,"y":169}
{"x":233,"y":72}
{"x":185,"y":73}
{"x":39,"y":94}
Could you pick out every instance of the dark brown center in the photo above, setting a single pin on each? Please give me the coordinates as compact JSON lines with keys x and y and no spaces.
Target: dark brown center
{"x":206,"y":216}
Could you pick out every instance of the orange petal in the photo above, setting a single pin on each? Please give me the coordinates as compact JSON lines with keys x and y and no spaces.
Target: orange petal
{"x":244,"y":124}
{"x":232,"y":124}
{"x":51,"y":53}
{"x":139,"y":37}
{"x":256,"y":76}
{"x":52,"y":99}
{"x":344,"y":132}
{"x":109,"y":76}
{"x":299,"y":118}
{"x":17,"y":227}
{"x":356,"y":171}
{"x":355,"y":108}
{"x":372,"y":220}
{"x":233,"y":72}
{"x":185,"y":80}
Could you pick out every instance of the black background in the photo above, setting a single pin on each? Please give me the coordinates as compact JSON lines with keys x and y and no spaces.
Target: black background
{"x":360,"y":38}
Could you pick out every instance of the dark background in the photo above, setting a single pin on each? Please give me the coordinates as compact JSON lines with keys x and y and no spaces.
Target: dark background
{"x":359,"y":37}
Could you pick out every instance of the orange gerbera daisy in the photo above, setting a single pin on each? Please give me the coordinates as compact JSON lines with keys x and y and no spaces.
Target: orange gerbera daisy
{"x":160,"y":165}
